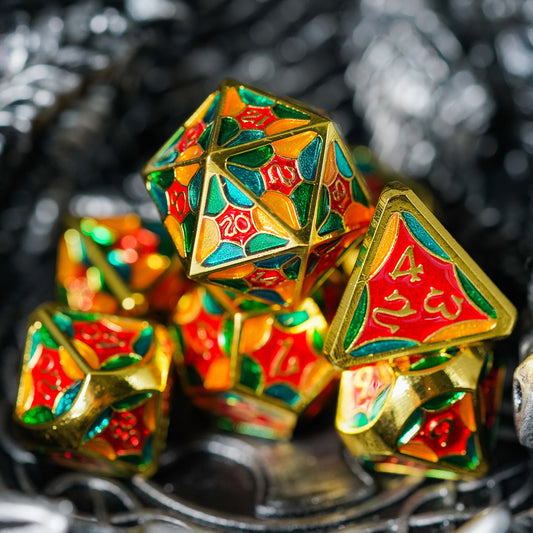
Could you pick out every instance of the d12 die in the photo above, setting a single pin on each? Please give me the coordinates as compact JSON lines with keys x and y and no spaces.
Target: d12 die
{"x":255,"y":370}
{"x":259,"y":195}
{"x":94,"y":390}
{"x":118,"y":265}
{"x":431,"y":414}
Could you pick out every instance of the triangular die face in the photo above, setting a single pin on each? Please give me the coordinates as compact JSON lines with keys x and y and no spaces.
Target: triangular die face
{"x":191,"y":140}
{"x":282,"y":173}
{"x":233,"y":229}
{"x":247,"y":115}
{"x":343,"y":201}
{"x":413,"y":290}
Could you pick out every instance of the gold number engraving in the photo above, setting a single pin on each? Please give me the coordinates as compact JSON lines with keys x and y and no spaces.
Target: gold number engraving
{"x":441,"y":307}
{"x":254,"y":117}
{"x":285,"y":174}
{"x":292,"y":362}
{"x":406,"y":310}
{"x":233,"y":225}
{"x":413,"y":271}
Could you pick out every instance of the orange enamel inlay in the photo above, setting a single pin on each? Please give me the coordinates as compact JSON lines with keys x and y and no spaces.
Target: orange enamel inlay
{"x":284,"y":124}
{"x":101,"y":447}
{"x":184,"y":174}
{"x":468,"y":327}
{"x":189,"y":307}
{"x":102,"y":303}
{"x":176,"y":233}
{"x":283,"y":207}
{"x":233,"y":104}
{"x":192,"y":152}
{"x":86,"y":352}
{"x":150,"y":414}
{"x":386,"y":244}
{"x":331,"y":166}
{"x":466,"y":411}
{"x":357,"y":216}
{"x":70,"y":367}
{"x":218,"y":375}
{"x":266,"y":223}
{"x":147,"y":269}
{"x":233,"y":273}
{"x":27,"y":392}
{"x":420,"y":450}
{"x":292,"y":146}
{"x":208,"y":239}
{"x":122,"y":224}
{"x":256,"y":332}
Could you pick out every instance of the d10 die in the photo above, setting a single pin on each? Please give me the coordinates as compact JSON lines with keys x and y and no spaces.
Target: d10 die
{"x":94,"y":390}
{"x":432,"y":414}
{"x":259,"y":195}
{"x":255,"y":370}
{"x":118,"y":265}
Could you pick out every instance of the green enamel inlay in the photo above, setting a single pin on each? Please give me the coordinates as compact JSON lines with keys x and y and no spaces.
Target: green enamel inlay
{"x":99,"y":234}
{"x":389,"y":345}
{"x":292,"y":269}
{"x":443,"y":401}
{"x":133,"y":459}
{"x":210,"y":113}
{"x":81,"y":315}
{"x":358,"y":193}
{"x":323,"y":207}
{"x":318,"y":341}
{"x":469,"y":461}
{"x":194,"y":189}
{"x":283,"y":392}
{"x":423,"y":236}
{"x":251,"y":179}
{"x":333,"y":223}
{"x":429,"y":362}
{"x":228,"y":129}
{"x":359,"y":420}
{"x":475,"y":295}
{"x":264,"y":241}
{"x":282,"y":111}
{"x":255,"y":158}
{"x":187,"y":226}
{"x":251,"y":373}
{"x":290,"y":320}
{"x":253,"y":305}
{"x":46,"y":338}
{"x":120,"y":361}
{"x":308,"y":159}
{"x":67,"y":398}
{"x":64,"y":323}
{"x":194,"y":379}
{"x":101,"y":422}
{"x":131,"y":401}
{"x":342,"y":163}
{"x":205,"y":138}
{"x":159,"y":197}
{"x":411,"y":427}
{"x":237,"y":284}
{"x":227,"y":334}
{"x":251,"y":98}
{"x":357,"y":320}
{"x":143,"y":343}
{"x":38,"y":415}
{"x":301,"y":196}
{"x":215,"y":200}
{"x":163,"y":178}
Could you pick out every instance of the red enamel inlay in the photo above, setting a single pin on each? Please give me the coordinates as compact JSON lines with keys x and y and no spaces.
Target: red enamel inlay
{"x":236,"y":225}
{"x":491,"y":394}
{"x":190,"y":136}
{"x":414,"y":305}
{"x":255,"y":118}
{"x":178,"y":196}
{"x":340,"y":196}
{"x":281,"y":174}
{"x":265,"y":279}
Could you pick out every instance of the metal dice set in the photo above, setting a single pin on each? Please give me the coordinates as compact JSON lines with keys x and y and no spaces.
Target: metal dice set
{"x":262,"y":203}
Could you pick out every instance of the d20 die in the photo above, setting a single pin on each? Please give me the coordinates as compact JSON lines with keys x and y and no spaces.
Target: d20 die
{"x":431,"y":414}
{"x":94,"y":390}
{"x":118,"y":265}
{"x":259,"y":195}
{"x":255,"y":370}
{"x":413,"y":289}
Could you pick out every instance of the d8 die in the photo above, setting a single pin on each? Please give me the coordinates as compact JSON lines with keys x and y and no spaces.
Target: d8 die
{"x":118,"y":265}
{"x":432,"y":414}
{"x":94,"y":390}
{"x":255,"y":370}
{"x":259,"y":195}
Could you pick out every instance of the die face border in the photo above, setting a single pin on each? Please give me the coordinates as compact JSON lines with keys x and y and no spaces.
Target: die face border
{"x":399,"y":199}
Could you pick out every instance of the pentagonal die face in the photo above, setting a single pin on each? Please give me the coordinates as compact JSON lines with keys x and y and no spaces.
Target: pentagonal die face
{"x":270,"y":362}
{"x":417,"y":415}
{"x":94,"y":390}
{"x":270,"y":201}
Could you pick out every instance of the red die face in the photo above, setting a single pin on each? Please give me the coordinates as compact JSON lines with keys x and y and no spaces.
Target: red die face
{"x":94,"y":389}
{"x":273,"y":358}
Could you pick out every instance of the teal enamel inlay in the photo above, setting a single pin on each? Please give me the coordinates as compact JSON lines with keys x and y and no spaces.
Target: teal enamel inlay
{"x":211,"y":305}
{"x":215,"y":200}
{"x":159,"y":197}
{"x":234,"y":195}
{"x":274,"y":262}
{"x":333,"y":223}
{"x":210,"y":113}
{"x":194,"y":190}
{"x":64,"y":323}
{"x":188,"y":225}
{"x":476,"y":296}
{"x":67,"y":399}
{"x":358,"y":194}
{"x":251,"y":373}
{"x":379,"y":403}
{"x":283,"y":392}
{"x":205,"y":138}
{"x":246,"y":136}
{"x":301,"y":196}
{"x":251,"y":98}
{"x":229,"y":128}
{"x":318,"y":341}
{"x":237,"y":284}
{"x":224,"y":253}
{"x":251,"y":179}
{"x":120,"y":361}
{"x":323,"y":207}
{"x":101,"y":422}
{"x":290,"y":320}
{"x":342,"y":163}
{"x":38,"y":415}
{"x":131,"y":402}
{"x":148,"y":450}
{"x":123,"y":269}
{"x":193,"y":377}
{"x":292,"y":269}
{"x":378,"y":347}
{"x":357,"y":320}
{"x":308,"y":159}
{"x":411,"y":427}
{"x":282,"y":111}
{"x":444,"y":400}
{"x":429,"y":362}
{"x":169,"y":148}
{"x":227,"y":334}
{"x":143,"y":343}
{"x":268,"y":295}
{"x":423,"y":236}
{"x":35,"y":342}
{"x":359,"y":420}
{"x":262,"y":242}
{"x":163,"y":178}
{"x":167,"y":159}
{"x":255,"y":158}
{"x":469,"y":461}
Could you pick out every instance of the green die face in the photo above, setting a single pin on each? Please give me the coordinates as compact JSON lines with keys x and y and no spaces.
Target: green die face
{"x":94,"y":390}
{"x":259,"y":195}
